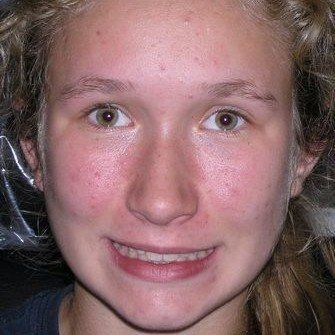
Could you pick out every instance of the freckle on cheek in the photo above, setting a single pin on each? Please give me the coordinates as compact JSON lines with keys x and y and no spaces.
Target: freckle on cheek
{"x":73,"y":176}
{"x":212,"y":279}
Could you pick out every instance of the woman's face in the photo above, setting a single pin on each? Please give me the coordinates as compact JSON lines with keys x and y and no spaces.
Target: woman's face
{"x":168,"y":129}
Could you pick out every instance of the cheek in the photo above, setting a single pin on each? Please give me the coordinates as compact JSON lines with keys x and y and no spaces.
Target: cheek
{"x":85,"y":175}
{"x":247,"y":186}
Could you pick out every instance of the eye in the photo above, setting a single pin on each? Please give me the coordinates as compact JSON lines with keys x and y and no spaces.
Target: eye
{"x":107,"y":116}
{"x":224,"y":119}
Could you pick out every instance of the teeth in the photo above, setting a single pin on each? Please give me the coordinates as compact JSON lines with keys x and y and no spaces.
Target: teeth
{"x":192,"y":257}
{"x":160,"y":258}
{"x":142,"y":257}
{"x":202,"y":254}
{"x":132,"y":253}
{"x":156,"y":257}
{"x":169,"y":258}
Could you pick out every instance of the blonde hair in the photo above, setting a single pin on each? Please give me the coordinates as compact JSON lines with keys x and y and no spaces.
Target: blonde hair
{"x":290,"y":296}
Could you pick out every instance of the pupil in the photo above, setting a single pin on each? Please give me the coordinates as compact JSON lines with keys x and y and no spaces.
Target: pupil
{"x":108,"y":116}
{"x":225,"y":119}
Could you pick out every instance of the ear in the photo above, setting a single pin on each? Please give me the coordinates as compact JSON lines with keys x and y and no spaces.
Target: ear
{"x":303,"y":169}
{"x":30,"y":153}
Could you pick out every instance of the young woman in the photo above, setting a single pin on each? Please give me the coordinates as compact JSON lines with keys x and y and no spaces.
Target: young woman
{"x":174,"y":143}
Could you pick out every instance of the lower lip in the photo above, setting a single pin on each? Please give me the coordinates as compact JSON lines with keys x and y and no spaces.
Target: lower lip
{"x":160,"y":272}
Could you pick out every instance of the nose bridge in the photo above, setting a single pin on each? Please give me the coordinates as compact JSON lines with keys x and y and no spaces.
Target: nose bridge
{"x":162,"y":191}
{"x":165,"y":159}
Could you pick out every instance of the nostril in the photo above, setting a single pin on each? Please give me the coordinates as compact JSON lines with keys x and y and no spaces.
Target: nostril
{"x":162,"y":206}
{"x":162,"y":198}
{"x":162,"y":219}
{"x":139,"y":216}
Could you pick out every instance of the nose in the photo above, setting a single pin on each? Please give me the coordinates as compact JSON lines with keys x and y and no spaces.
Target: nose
{"x":162,"y":192}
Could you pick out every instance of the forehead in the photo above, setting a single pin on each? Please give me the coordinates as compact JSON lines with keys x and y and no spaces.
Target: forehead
{"x":156,"y":41}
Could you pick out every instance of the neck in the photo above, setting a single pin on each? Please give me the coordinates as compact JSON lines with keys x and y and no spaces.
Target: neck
{"x":83,"y":313}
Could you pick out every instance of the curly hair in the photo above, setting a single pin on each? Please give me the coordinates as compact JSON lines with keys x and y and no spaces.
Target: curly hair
{"x":290,"y":296}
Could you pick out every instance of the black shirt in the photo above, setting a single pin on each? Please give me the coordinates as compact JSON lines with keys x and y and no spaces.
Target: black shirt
{"x":37,"y":316}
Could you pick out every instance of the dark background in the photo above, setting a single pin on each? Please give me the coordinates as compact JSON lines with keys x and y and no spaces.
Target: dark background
{"x":20,"y":277}
{"x":25,"y":270}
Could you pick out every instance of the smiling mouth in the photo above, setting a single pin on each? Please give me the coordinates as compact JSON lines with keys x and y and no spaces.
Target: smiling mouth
{"x":157,"y":258}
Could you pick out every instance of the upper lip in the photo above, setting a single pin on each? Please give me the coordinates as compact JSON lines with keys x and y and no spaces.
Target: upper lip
{"x":160,"y":249}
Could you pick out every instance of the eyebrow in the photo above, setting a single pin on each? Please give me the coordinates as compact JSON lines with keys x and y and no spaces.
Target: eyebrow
{"x":238,"y":87}
{"x":241,"y":88}
{"x":89,"y":84}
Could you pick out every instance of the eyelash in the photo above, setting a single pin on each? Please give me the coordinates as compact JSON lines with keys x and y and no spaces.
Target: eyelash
{"x":228,"y":110}
{"x":95,"y":108}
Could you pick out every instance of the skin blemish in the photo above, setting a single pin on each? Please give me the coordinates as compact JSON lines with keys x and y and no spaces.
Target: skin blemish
{"x":188,"y":17}
{"x":73,"y":176}
{"x":187,"y":20}
{"x":197,"y":60}
{"x":93,"y":205}
{"x":162,"y":67}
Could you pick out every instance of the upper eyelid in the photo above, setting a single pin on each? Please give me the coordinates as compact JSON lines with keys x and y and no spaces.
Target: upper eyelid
{"x":103,"y":105}
{"x":232,"y":110}
{"x":228,"y":109}
{"x":92,"y":108}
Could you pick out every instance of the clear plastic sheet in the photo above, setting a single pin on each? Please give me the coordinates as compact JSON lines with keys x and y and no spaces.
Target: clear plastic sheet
{"x":18,"y":232}
{"x":15,"y":231}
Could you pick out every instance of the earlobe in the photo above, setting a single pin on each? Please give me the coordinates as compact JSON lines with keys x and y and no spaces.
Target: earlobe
{"x":303,"y":169}
{"x":30,"y":154}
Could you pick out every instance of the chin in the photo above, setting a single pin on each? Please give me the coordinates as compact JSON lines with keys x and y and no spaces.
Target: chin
{"x":163,"y":322}
{"x":163,"y":317}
